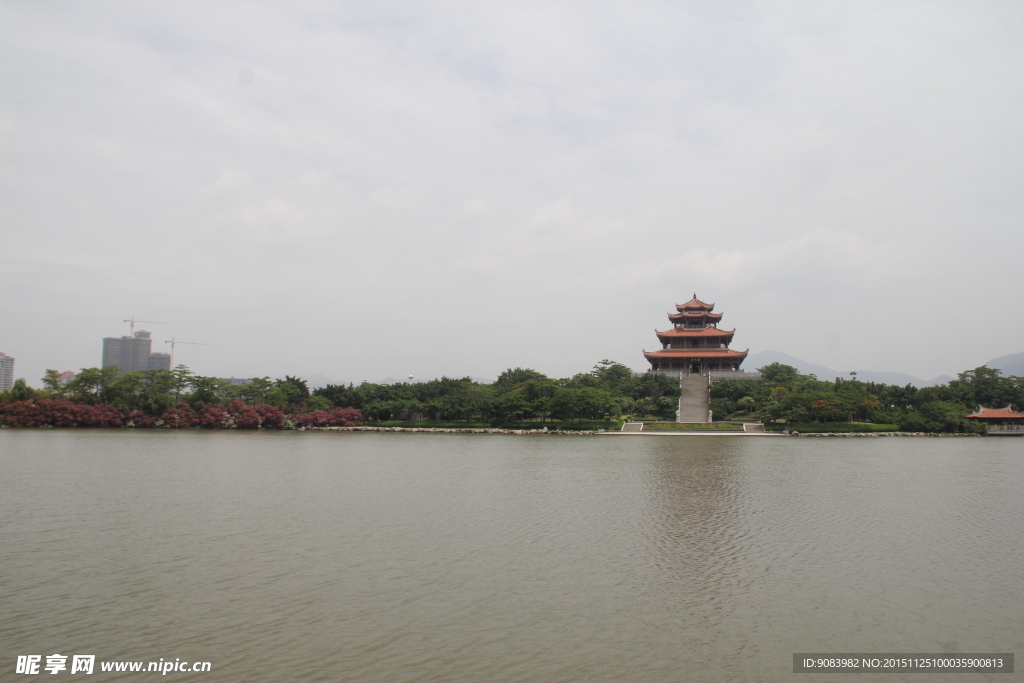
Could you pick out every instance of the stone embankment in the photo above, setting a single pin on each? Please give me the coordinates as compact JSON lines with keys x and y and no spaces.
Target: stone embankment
{"x":452,"y":430}
{"x":496,"y":430}
{"x":873,"y":434}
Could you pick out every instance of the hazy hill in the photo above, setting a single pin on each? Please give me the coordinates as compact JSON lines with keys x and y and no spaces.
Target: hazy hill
{"x":1010,"y":365}
{"x":757,"y":360}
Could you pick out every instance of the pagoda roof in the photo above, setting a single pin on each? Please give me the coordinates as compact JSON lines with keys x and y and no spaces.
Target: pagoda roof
{"x":995,"y":414}
{"x":703,"y":332}
{"x":695,"y":313}
{"x":697,"y":353}
{"x":694,"y":304}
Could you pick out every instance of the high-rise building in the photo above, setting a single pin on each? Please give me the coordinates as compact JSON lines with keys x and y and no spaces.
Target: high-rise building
{"x":6,"y":372}
{"x":132,"y":354}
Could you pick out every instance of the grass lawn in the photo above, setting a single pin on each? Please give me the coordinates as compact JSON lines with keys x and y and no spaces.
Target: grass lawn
{"x":834,"y":427}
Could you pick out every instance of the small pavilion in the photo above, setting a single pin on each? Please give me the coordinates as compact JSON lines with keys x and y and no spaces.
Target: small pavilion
{"x":999,"y":421}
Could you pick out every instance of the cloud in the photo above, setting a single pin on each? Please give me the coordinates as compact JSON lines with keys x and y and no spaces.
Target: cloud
{"x":820,"y":256}
{"x":489,"y":173}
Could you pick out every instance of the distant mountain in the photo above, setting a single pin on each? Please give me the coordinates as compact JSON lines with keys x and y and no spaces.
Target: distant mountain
{"x":1010,"y":365}
{"x":318,"y":381}
{"x":757,"y":360}
{"x":415,"y":380}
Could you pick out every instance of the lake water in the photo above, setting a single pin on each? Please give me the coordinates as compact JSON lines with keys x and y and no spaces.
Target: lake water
{"x":300,"y":556}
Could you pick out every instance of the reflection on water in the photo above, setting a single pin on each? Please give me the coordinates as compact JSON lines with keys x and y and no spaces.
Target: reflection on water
{"x":312,"y":556}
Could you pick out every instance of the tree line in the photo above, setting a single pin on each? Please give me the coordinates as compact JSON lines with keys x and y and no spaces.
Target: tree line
{"x":180,"y":398}
{"x":518,"y":396}
{"x":786,"y":395}
{"x":105,"y":397}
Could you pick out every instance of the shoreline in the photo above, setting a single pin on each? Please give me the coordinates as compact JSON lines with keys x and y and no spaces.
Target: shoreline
{"x":605,"y":432}
{"x":519,"y":432}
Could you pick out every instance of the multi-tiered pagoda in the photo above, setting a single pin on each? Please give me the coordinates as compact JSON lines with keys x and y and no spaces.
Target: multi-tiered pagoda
{"x":695,"y":344}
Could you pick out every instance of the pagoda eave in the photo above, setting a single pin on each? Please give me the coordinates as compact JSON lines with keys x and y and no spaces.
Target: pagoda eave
{"x":681,"y":315}
{"x":695,"y":304}
{"x":1006,"y":413}
{"x":696,"y":353}
{"x":702,"y":332}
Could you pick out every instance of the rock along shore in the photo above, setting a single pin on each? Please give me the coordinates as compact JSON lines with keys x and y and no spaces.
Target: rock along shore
{"x":453,"y":430}
{"x":496,"y":430}
{"x":874,"y":434}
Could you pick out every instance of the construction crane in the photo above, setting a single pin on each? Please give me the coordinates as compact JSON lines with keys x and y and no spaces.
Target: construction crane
{"x":173,"y":342}
{"x":132,"y":320}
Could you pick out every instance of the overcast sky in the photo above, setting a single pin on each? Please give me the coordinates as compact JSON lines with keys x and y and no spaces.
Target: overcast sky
{"x":372,"y":189}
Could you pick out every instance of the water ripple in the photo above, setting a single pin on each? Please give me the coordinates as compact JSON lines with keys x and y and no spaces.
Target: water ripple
{"x":371,"y":557}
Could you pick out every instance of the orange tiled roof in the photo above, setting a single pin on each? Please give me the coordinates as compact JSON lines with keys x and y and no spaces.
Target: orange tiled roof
{"x":694,"y":303}
{"x":695,"y":353}
{"x":694,"y":314}
{"x":703,"y":332}
{"x":995,"y":414}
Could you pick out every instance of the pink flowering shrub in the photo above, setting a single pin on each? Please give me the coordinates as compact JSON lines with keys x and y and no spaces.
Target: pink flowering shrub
{"x":180,"y":416}
{"x":336,"y":417}
{"x":21,"y":414}
{"x":141,"y":419}
{"x":346,"y":417}
{"x":272,"y":416}
{"x":104,"y":415}
{"x":317,"y":418}
{"x":214,"y":416}
{"x":247,"y":418}
{"x":59,"y":413}
{"x":64,"y":413}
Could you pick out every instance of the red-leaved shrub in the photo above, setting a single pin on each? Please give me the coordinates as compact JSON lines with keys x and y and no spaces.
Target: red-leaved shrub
{"x":272,"y":416}
{"x":247,"y":418}
{"x":180,"y":416}
{"x":336,"y":417}
{"x":59,"y":413}
{"x":141,"y":419}
{"x":214,"y":416}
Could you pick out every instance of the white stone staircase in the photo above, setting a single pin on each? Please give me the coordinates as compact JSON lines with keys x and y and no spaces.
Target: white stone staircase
{"x":695,"y":398}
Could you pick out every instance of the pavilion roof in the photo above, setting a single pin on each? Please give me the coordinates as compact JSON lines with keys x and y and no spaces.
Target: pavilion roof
{"x":695,"y":353}
{"x":703,"y":332}
{"x":694,"y":304}
{"x":995,"y":414}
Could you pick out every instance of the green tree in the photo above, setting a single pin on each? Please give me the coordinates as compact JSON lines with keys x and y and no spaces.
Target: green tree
{"x":205,"y":390}
{"x":181,"y":378}
{"x":612,"y":376}
{"x":51,"y":380}
{"x":747,"y":404}
{"x":513,"y":377}
{"x":255,"y":390}
{"x":780,"y":374}
{"x":92,"y":385}
{"x":319,"y":403}
{"x":21,"y":391}
{"x":156,"y":389}
{"x":295,"y":387}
